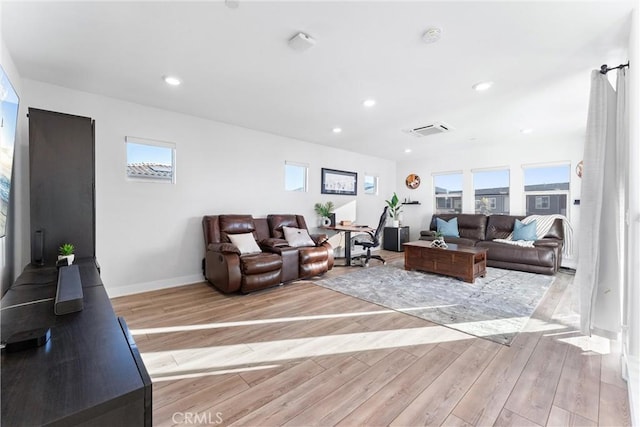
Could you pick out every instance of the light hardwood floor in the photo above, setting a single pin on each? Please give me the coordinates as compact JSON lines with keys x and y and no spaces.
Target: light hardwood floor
{"x":303,"y":355}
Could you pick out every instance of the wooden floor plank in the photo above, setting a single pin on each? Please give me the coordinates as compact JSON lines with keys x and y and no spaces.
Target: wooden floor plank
{"x":292,"y":403}
{"x":560,"y":417}
{"x":245,"y":402}
{"x":511,"y":419}
{"x":486,"y":398}
{"x":534,"y":391}
{"x":614,"y":406}
{"x":386,"y":404}
{"x":349,"y":396}
{"x":579,"y":386}
{"x":433,"y":405}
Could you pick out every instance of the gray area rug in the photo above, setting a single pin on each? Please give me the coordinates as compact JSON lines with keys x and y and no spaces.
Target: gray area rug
{"x":495,"y":307}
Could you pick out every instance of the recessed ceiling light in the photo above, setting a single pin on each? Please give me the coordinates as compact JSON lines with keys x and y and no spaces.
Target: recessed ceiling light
{"x":527,"y":130}
{"x":369,"y":102}
{"x":482,"y":86}
{"x":407,"y":150}
{"x":336,"y":130}
{"x":432,"y":35}
{"x":173,"y":81}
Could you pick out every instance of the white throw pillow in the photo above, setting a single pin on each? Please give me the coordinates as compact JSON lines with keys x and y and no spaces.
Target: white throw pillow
{"x":297,"y":237}
{"x":245,"y":242}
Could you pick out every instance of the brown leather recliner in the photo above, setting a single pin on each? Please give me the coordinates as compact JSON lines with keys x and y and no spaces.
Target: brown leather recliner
{"x":230,"y":271}
{"x":226,"y":268}
{"x":312,"y":260}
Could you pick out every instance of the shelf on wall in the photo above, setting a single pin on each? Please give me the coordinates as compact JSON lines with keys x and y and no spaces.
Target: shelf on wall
{"x":410,"y":203}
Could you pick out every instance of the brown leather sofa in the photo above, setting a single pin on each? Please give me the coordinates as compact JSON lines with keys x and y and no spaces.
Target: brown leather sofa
{"x":230,"y":271}
{"x":480,"y":230}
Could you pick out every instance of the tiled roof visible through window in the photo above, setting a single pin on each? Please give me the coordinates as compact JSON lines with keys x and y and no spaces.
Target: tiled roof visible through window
{"x":149,"y":170}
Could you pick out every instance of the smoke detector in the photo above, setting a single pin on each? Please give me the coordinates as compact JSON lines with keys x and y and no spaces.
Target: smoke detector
{"x":432,"y":35}
{"x":301,"y":42}
{"x":430,"y":129}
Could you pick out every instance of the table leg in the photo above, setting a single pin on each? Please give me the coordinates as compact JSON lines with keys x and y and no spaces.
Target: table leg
{"x":347,"y":248}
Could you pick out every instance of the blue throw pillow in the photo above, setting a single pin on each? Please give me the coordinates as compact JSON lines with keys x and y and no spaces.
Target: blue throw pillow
{"x":448,"y":228}
{"x":523,"y":231}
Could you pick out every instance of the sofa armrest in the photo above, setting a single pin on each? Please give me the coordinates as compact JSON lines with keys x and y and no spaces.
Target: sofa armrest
{"x":273,"y":242}
{"x":427,"y":233}
{"x":225,"y":248}
{"x":319,"y":239}
{"x":549,"y":242}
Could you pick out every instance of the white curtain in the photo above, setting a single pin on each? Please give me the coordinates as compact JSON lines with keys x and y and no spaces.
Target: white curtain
{"x":599,"y":270}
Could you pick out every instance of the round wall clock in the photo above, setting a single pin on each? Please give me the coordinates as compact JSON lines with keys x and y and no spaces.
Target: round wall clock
{"x":412,"y":181}
{"x":579,"y":168}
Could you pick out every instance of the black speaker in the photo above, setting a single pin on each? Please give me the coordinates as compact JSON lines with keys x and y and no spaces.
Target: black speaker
{"x":37,"y":254}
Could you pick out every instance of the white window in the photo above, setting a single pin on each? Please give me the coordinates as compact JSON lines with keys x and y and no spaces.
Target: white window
{"x":491,"y":191}
{"x":546,"y":189}
{"x":370,"y":184}
{"x":149,"y":160}
{"x":447,"y":189}
{"x":543,"y":202}
{"x":295,"y":176}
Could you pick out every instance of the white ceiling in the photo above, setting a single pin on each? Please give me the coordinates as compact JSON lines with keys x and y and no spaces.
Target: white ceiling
{"x":237,"y":67}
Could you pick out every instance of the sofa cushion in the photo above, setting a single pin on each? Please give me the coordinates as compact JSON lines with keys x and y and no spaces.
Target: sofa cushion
{"x":447,"y":228}
{"x":297,"y":237}
{"x":245,"y":242}
{"x":500,"y":226}
{"x":234,"y":224}
{"x":523,"y":231}
{"x":470,"y":226}
{"x":276,"y":222}
{"x":260,"y":263}
{"x":504,"y":252}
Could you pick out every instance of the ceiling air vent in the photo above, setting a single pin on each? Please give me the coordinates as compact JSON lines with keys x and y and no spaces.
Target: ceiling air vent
{"x":432,"y":129}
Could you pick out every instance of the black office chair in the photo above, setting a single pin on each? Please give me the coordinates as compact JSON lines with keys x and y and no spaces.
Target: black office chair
{"x":371,"y":240}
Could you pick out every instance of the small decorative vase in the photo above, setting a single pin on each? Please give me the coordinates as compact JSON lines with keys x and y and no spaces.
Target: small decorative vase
{"x":326,"y":222}
{"x":439,"y":243}
{"x":69,"y":258}
{"x":395,"y":223}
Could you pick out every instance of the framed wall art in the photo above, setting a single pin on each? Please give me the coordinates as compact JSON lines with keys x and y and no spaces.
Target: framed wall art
{"x":339,"y":182}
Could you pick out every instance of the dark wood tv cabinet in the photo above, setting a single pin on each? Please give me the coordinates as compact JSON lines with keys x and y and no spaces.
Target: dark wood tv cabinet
{"x":88,"y":373}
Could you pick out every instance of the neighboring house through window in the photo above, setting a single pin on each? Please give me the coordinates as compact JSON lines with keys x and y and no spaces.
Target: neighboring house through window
{"x":546,"y":189}
{"x":491,"y":191}
{"x":150,"y":160}
{"x":448,"y":192}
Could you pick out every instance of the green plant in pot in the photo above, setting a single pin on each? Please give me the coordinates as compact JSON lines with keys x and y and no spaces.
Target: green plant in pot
{"x":66,"y":251}
{"x":395,"y":208}
{"x":324,"y":210}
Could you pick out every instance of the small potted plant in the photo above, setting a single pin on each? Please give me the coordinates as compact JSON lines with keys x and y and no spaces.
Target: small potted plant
{"x":66,"y":252}
{"x":324,"y":210}
{"x":395,"y":208}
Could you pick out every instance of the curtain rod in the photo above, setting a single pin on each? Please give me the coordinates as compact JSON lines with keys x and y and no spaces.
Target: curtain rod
{"x":604,"y":69}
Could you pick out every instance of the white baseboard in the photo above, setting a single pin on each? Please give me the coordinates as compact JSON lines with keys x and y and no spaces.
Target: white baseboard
{"x":631,"y":371}
{"x":154,"y":286}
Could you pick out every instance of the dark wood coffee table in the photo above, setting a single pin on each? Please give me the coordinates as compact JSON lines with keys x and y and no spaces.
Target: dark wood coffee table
{"x":463,"y":262}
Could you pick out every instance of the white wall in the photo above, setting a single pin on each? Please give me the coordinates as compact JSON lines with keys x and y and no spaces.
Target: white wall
{"x":536,"y":150}
{"x":149,"y":235}
{"x":7,"y":258}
